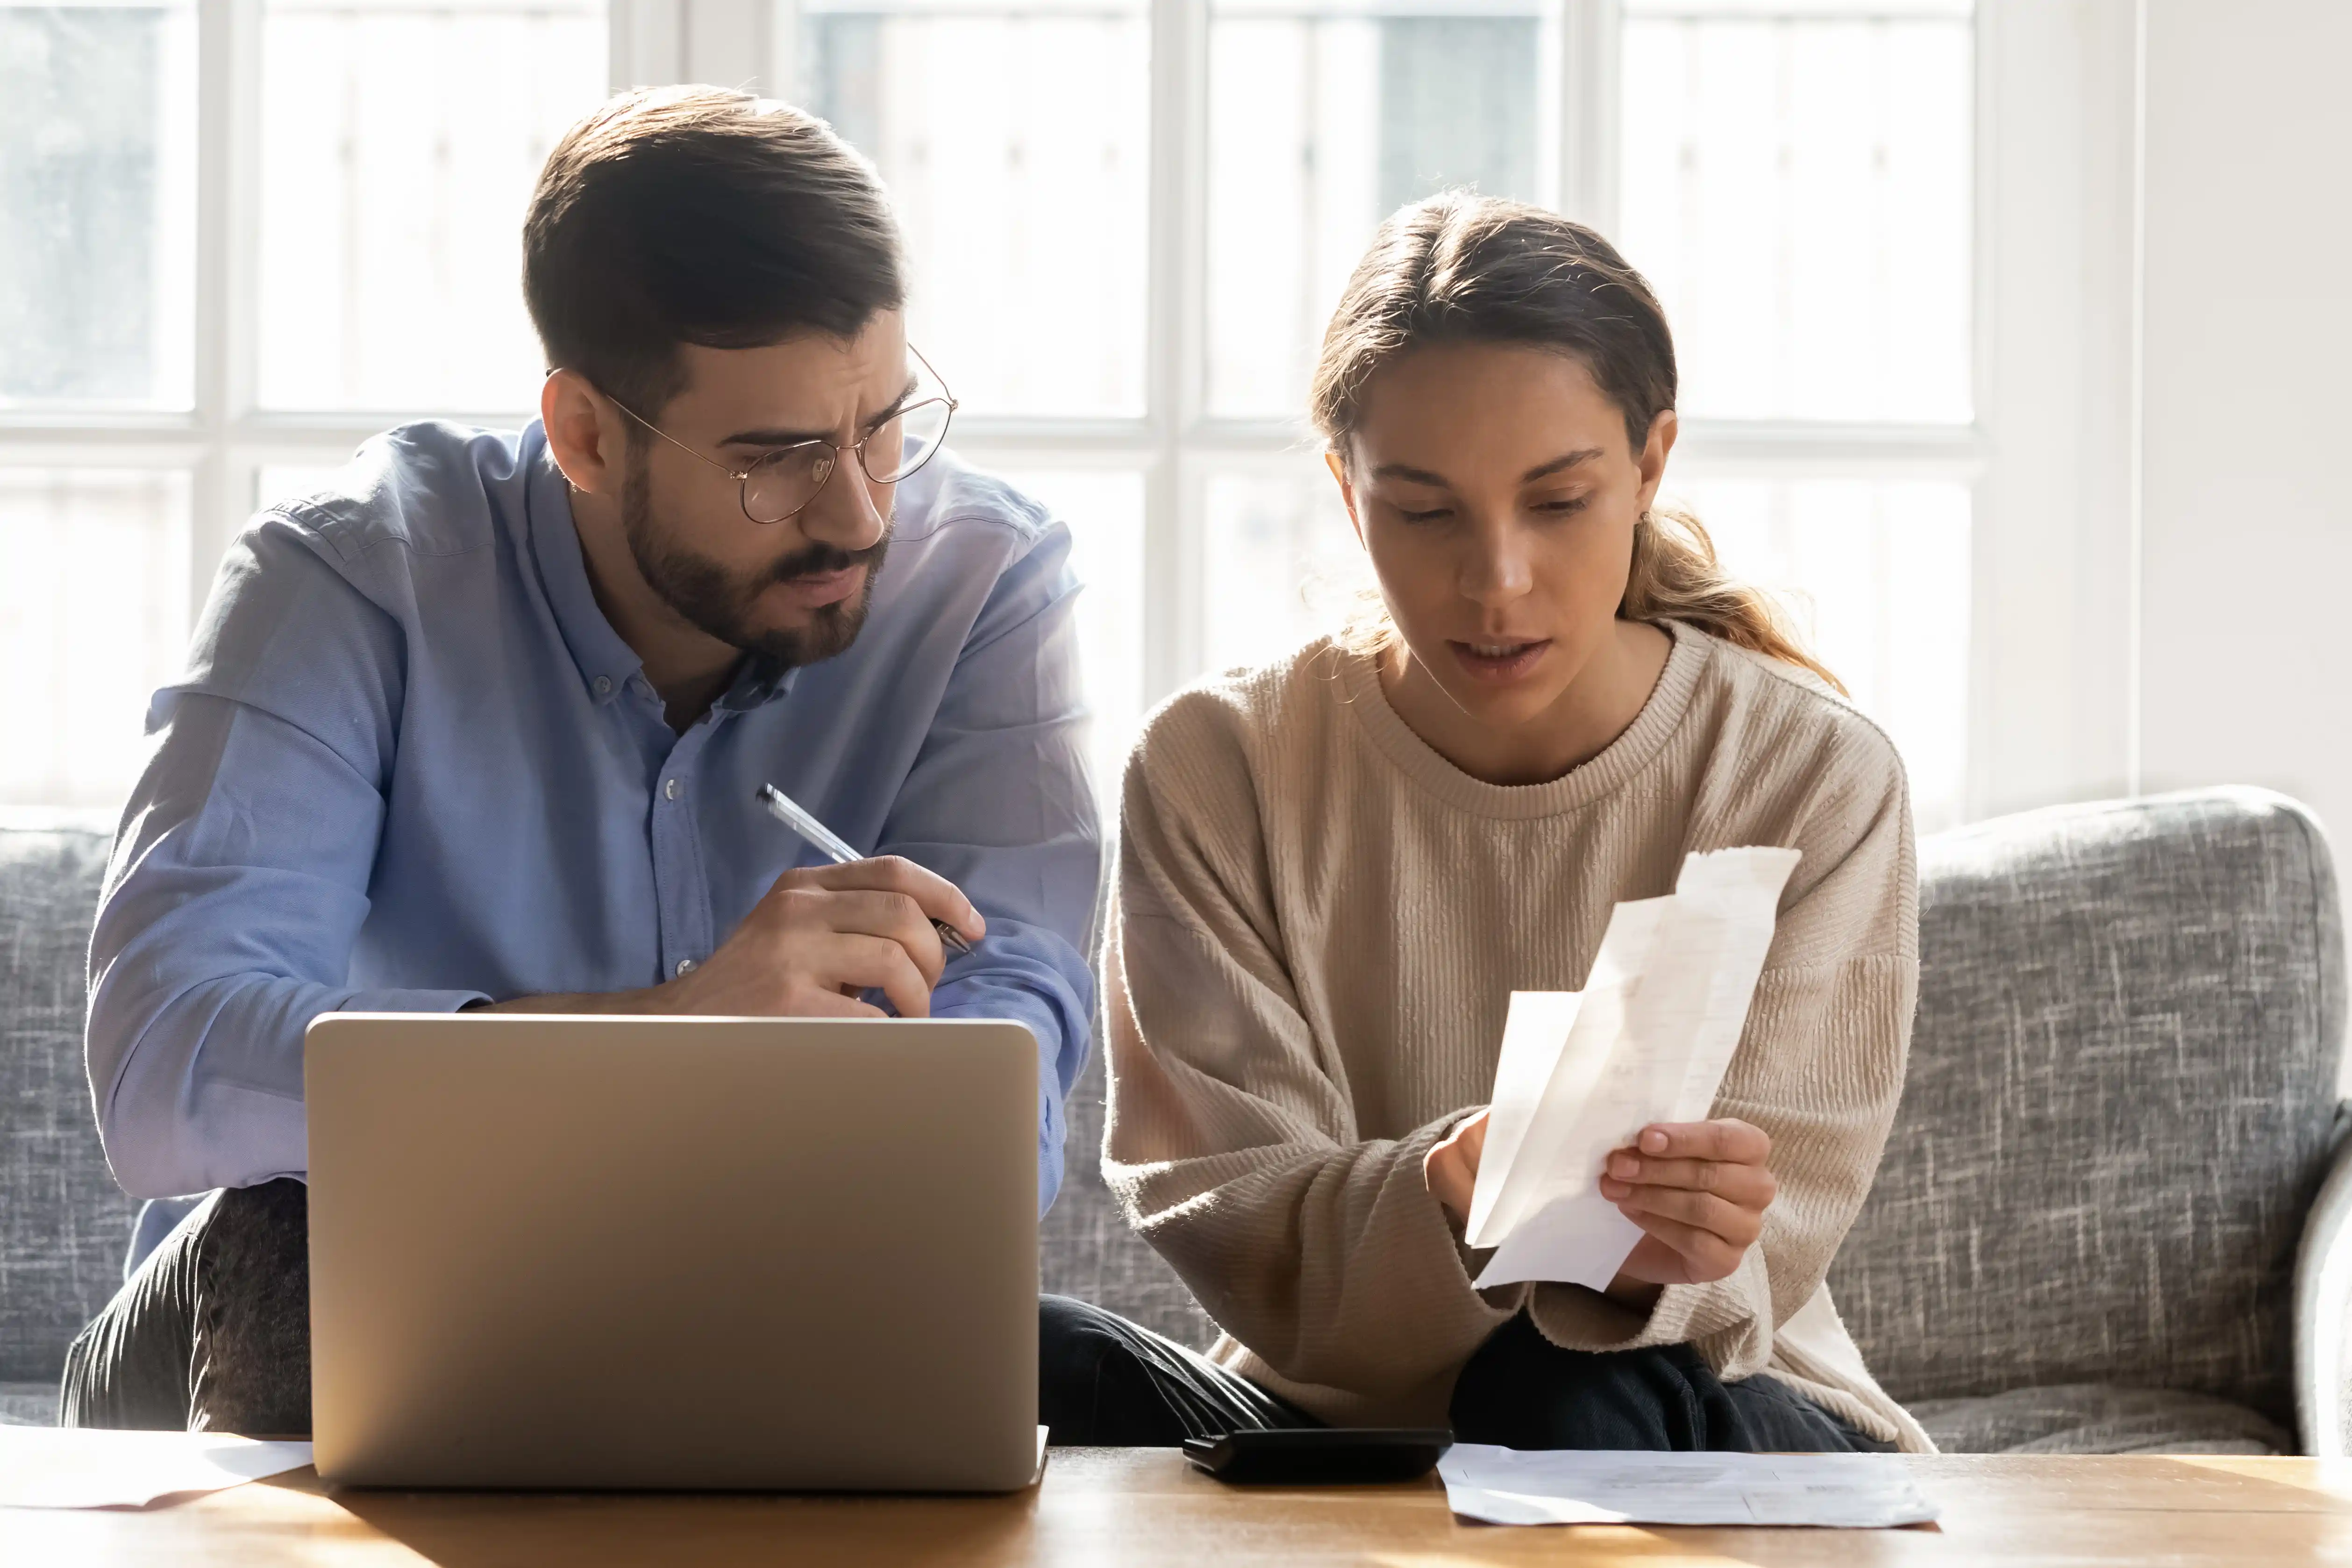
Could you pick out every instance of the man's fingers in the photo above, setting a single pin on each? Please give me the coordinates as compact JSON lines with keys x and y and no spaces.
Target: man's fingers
{"x":893,"y":917}
{"x":877,"y":964}
{"x":1732,"y":1142}
{"x":938,"y":898}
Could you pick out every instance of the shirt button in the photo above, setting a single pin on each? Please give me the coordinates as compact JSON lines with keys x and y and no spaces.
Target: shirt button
{"x":685,"y":966}
{"x":670,"y":789}
{"x":603,"y":685}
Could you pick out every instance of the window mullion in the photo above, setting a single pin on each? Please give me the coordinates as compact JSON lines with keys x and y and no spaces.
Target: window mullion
{"x":1176,"y":299}
{"x":228,"y":171}
{"x":647,"y":45}
{"x":1588,"y":70}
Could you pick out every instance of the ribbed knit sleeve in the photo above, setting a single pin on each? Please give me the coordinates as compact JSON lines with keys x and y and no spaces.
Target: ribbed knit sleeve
{"x":1231,"y":1144}
{"x":1818,"y":1067}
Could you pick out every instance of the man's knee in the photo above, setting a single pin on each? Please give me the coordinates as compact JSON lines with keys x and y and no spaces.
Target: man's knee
{"x":251,"y":1356}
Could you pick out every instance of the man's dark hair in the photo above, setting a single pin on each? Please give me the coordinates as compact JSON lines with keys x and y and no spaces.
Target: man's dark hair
{"x":693,"y":215}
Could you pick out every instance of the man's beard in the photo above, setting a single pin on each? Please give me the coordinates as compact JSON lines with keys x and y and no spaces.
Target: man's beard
{"x":723,"y":606}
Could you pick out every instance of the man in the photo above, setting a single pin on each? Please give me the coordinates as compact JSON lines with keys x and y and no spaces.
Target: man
{"x":482,"y":727}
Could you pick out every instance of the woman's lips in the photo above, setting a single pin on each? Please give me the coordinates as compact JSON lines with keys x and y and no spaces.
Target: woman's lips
{"x":1498,"y":661}
{"x":823,"y":588}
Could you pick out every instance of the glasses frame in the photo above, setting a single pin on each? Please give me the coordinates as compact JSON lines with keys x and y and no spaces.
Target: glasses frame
{"x":834,"y":449}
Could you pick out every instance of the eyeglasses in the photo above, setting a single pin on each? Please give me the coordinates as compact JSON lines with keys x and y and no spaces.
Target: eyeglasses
{"x":783,"y":482}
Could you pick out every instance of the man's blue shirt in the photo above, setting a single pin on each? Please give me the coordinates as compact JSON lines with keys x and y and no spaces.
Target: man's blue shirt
{"x":412,"y":766}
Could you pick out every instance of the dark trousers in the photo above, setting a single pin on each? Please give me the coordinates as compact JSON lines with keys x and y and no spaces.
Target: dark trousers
{"x":211,"y":1334}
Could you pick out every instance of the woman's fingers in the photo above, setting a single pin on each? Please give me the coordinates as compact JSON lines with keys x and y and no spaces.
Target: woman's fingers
{"x":1705,"y":1255}
{"x":1727,"y":1141}
{"x":1450,"y":1169}
{"x":1701,"y":1211}
{"x":1742,"y":1184}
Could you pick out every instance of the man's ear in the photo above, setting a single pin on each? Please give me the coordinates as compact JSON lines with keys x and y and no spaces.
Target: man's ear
{"x":1338,"y":467}
{"x":583,"y":431}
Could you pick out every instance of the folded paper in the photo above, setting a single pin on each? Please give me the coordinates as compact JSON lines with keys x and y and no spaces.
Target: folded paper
{"x":1581,"y":1073}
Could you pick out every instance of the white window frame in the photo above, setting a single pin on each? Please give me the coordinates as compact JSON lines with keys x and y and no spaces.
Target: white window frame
{"x":2035,"y":683}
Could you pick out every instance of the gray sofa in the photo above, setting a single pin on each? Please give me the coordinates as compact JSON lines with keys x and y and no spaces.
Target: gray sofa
{"x":2106,"y":1221}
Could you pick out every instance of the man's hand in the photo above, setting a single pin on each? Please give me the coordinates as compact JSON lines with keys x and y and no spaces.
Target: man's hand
{"x":1700,"y":1190}
{"x":823,"y":934}
{"x":817,"y":937}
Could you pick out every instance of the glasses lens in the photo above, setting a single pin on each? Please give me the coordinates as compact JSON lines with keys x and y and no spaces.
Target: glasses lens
{"x":906,"y":443}
{"x":781,"y":483}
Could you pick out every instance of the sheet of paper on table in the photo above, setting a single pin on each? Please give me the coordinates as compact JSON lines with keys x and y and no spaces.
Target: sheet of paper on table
{"x":49,"y":1467}
{"x":1510,"y":1485}
{"x":1581,"y":1072}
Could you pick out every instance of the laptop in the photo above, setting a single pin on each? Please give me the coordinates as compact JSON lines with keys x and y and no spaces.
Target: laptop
{"x":695,"y":1253}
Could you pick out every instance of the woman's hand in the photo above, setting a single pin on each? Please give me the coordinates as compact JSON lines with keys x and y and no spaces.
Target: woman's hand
{"x":1699,"y":1189}
{"x":1451,"y":1169}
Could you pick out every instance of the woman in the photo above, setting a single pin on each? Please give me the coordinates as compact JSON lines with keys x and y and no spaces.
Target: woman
{"x":1334,"y":870}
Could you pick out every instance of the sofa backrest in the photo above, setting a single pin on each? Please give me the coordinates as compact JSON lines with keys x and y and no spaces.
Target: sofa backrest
{"x":63,"y":1222}
{"x":2121,"y":1101}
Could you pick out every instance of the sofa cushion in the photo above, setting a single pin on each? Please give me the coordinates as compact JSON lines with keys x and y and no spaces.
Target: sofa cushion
{"x":63,"y":1222}
{"x":2121,"y":1101}
{"x":29,"y":1404}
{"x":1085,"y":1247}
{"x":2099,"y":1418}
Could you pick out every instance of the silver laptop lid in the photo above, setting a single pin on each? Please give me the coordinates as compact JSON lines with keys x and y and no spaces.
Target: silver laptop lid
{"x":655,"y":1252}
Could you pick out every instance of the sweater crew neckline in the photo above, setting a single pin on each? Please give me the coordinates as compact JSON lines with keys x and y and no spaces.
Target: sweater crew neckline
{"x":1594,"y":779}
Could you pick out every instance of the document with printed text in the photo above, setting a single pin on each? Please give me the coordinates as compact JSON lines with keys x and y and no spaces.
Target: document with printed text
{"x":1512,"y":1486}
{"x":1582,"y":1072}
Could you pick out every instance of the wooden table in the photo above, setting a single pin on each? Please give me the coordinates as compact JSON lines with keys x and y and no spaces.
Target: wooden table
{"x":1110,"y":1507}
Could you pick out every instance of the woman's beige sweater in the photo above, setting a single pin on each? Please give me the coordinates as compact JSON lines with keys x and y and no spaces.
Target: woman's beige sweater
{"x":1318,"y":923}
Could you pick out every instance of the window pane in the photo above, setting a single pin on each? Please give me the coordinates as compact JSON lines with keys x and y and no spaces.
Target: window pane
{"x":1104,"y":510}
{"x":399,"y":146}
{"x":97,"y":187}
{"x":1321,"y":122}
{"x":1798,"y":189}
{"x":1015,"y":141}
{"x":1877,"y":578}
{"x":1283,"y":565}
{"x":93,"y":618}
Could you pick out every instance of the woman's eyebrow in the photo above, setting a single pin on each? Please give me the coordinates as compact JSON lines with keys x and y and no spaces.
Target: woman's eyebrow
{"x":1566,"y":460}
{"x":1407,"y":472}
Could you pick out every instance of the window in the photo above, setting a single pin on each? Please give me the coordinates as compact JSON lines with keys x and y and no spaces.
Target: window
{"x":245,"y":237}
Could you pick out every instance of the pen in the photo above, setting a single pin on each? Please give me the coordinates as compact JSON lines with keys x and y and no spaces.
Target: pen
{"x":825,"y":842}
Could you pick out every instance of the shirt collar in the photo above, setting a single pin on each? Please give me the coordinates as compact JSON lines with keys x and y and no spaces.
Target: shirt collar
{"x":606,"y":661}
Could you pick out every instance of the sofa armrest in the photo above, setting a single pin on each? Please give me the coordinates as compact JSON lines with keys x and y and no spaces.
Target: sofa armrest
{"x":2323,"y":1309}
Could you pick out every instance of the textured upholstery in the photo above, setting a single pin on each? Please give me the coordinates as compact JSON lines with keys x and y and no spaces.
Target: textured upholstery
{"x":63,"y":1222}
{"x":1086,"y":1248}
{"x":2095,"y":1418}
{"x":2121,"y":1102}
{"x":29,"y":1404}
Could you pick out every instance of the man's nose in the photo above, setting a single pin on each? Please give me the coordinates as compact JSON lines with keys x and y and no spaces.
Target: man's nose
{"x":844,"y":514}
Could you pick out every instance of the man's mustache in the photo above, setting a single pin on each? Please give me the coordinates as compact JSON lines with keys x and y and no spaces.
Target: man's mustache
{"x":824,"y":560}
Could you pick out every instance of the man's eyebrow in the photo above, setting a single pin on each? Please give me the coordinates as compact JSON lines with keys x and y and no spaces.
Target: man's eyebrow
{"x":794,"y":437}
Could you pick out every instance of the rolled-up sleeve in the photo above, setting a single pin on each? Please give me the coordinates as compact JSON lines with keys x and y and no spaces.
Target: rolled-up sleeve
{"x":240,"y":876}
{"x":998,"y":802}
